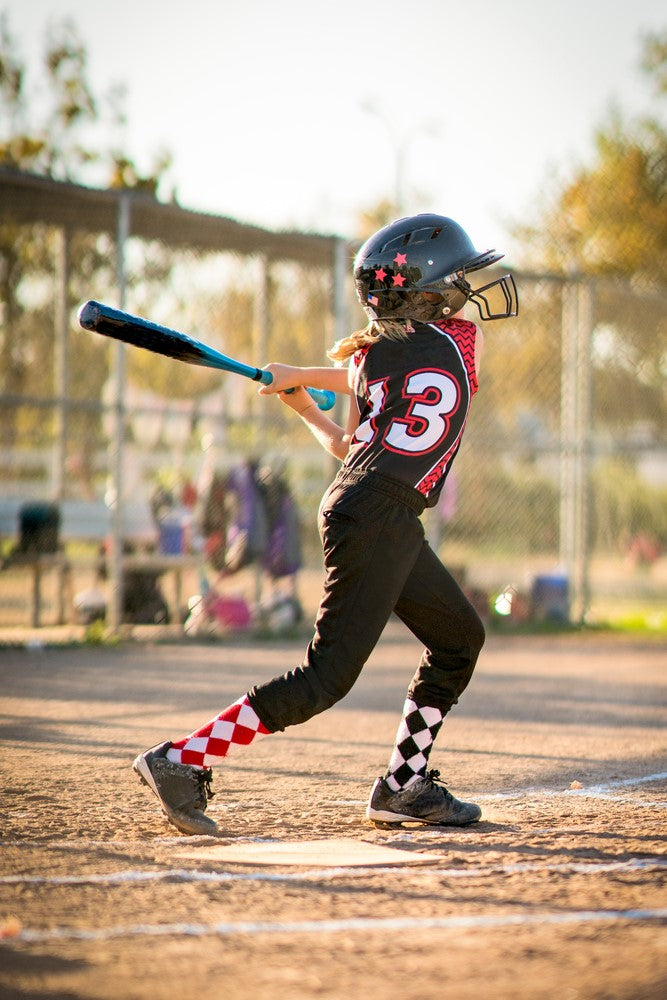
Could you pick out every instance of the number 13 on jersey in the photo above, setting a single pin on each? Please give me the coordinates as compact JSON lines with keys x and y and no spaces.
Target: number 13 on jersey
{"x":431,"y":398}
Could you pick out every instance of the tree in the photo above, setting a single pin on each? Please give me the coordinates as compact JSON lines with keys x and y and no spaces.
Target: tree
{"x":609,"y":222}
{"x":58,"y":138}
{"x":375,"y":218}
{"x":610,"y":219}
{"x":654,"y":61}
{"x":54,"y":132}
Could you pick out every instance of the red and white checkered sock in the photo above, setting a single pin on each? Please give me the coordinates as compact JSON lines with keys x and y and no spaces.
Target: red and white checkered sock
{"x":237,"y":726}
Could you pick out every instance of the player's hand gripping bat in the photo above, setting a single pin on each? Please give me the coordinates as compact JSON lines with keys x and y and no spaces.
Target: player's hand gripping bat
{"x":159,"y":339}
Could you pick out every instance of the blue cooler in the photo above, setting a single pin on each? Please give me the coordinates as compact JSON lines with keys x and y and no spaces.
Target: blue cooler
{"x":171,"y":536}
{"x":550,"y":601}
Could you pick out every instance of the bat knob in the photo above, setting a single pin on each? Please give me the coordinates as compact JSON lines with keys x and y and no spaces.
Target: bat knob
{"x":88,"y":315}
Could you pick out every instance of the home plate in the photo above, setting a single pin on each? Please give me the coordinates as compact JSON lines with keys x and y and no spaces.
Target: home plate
{"x":343,"y":853}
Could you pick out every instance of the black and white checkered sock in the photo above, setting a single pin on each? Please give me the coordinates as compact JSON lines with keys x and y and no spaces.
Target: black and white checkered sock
{"x":418,"y":729}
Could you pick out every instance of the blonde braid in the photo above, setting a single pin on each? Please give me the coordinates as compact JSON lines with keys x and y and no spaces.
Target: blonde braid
{"x":390,"y":328}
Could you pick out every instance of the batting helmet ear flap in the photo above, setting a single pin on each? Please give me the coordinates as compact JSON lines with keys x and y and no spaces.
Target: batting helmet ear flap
{"x":453,"y":300}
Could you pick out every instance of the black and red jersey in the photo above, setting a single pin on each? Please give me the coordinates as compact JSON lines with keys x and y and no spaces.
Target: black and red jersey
{"x":413,"y":397}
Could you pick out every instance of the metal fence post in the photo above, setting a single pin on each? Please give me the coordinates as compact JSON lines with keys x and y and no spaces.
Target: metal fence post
{"x":339,"y":272}
{"x":115,"y":610}
{"x":574,"y":442}
{"x":340,"y":266}
{"x":582,"y":587}
{"x":61,"y":360}
{"x":262,"y":339}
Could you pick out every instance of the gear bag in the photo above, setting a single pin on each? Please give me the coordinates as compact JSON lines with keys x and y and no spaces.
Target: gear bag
{"x":283,"y":555}
{"x":247,"y":528}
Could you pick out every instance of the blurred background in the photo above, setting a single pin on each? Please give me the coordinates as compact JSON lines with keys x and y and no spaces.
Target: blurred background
{"x":215,"y":168}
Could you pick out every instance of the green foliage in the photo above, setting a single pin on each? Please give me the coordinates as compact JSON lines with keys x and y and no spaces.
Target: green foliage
{"x":375,"y":218}
{"x":608,"y":221}
{"x":654,"y":61}
{"x":610,"y":217}
{"x":626,"y":508}
{"x":49,"y":144}
{"x":56,"y":137}
{"x":627,"y":514}
{"x":629,"y":358}
{"x":64,"y":136}
{"x":300,"y":317}
{"x":525,"y":522}
{"x":521,"y":363}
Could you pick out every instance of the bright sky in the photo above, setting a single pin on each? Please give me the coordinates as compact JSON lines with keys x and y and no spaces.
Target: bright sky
{"x":262,"y":102}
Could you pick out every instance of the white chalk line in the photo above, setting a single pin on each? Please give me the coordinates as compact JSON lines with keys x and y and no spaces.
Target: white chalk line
{"x":363,"y":924}
{"x":186,"y":875}
{"x":602,"y":791}
{"x":624,"y":782}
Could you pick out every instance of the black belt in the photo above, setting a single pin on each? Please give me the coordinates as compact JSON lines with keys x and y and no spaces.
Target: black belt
{"x":383,"y":484}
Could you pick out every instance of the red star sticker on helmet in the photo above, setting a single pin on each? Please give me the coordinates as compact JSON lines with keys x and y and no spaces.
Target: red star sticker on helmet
{"x":400,"y":258}
{"x":399,"y":279}
{"x":380,"y":274}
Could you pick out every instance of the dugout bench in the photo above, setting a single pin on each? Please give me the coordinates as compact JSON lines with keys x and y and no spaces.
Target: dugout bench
{"x":87,"y":522}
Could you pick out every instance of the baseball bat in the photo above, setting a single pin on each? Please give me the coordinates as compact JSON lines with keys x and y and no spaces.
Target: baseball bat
{"x":129,"y":329}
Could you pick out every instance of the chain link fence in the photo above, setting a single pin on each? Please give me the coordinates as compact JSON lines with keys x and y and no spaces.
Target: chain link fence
{"x":560,"y":484}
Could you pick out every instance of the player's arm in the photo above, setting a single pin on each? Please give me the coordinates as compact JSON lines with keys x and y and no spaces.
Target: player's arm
{"x":333,"y":438}
{"x":479,"y":347}
{"x":290,"y":376}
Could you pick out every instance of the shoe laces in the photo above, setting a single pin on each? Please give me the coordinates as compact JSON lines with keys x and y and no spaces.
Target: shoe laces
{"x":205,"y":777}
{"x":434,"y":778}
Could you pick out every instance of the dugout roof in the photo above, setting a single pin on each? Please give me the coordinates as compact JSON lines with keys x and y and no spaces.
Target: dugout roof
{"x":30,"y":199}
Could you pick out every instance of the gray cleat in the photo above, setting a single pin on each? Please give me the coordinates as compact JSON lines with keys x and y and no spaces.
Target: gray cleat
{"x":182,"y":790}
{"x":425,"y":801}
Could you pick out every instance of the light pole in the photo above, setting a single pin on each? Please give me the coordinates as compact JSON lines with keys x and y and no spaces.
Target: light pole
{"x":400,"y":140}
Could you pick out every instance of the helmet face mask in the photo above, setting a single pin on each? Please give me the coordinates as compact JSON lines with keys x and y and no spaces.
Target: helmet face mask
{"x":427,"y":253}
{"x":506,"y":295}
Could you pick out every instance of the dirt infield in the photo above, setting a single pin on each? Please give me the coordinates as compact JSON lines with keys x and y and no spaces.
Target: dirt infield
{"x":558,"y":892}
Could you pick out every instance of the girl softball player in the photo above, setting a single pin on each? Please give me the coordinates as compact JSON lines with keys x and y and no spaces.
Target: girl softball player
{"x":410,"y":375}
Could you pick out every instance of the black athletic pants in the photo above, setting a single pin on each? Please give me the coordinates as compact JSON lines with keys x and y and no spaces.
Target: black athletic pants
{"x":376,"y":561}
